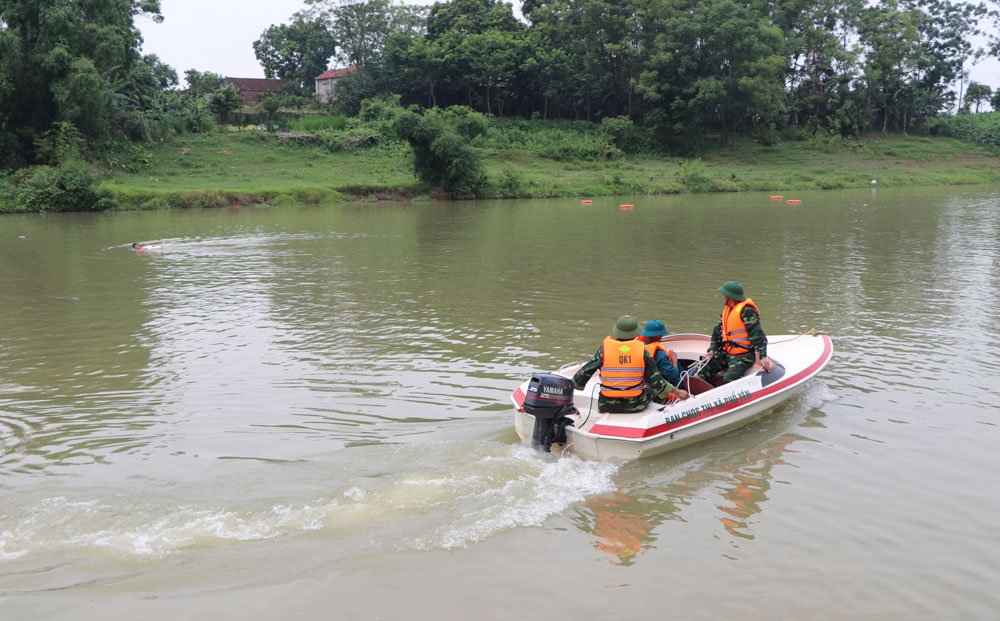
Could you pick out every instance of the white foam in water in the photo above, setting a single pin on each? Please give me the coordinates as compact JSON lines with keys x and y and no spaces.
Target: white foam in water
{"x":147,"y":531}
{"x":477,"y":494}
{"x":546,"y":487}
{"x":6,"y":536}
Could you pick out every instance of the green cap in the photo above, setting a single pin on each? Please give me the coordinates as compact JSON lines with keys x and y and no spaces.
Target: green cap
{"x":626,"y":329}
{"x":733,"y":289}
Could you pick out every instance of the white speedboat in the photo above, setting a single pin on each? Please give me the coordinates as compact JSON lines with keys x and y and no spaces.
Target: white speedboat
{"x":568,"y":418}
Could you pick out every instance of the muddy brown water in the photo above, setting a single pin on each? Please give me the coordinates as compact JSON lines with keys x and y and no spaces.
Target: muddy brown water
{"x":303,"y":412}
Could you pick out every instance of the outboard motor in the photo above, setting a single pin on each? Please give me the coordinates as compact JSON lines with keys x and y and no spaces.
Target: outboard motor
{"x":549,"y":399}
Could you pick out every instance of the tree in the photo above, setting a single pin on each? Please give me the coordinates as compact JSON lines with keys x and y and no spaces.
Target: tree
{"x":416,"y":65}
{"x":224,"y":101}
{"x":946,"y":31}
{"x":547,"y":74}
{"x":822,"y":67}
{"x":604,"y":40}
{"x":469,"y":17}
{"x":978,"y":94}
{"x":298,"y":51}
{"x":494,"y":58}
{"x":891,"y":39}
{"x":60,"y":62}
{"x":441,"y":153}
{"x":712,"y":60}
{"x":474,"y":49}
{"x":361,"y":28}
{"x":202,"y":83}
{"x":141,"y":87}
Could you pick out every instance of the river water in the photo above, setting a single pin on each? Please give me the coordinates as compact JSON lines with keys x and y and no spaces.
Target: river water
{"x":304,"y":412}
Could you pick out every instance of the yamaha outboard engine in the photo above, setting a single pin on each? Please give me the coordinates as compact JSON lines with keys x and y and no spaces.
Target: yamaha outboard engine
{"x":549,"y":399}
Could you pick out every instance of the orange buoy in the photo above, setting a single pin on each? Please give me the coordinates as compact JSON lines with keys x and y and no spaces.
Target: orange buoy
{"x":794,"y":201}
{"x":775,"y":198}
{"x":586,"y":202}
{"x":625,"y":206}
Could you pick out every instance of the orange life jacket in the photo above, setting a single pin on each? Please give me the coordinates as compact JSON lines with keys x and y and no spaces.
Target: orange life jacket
{"x":735,"y":338}
{"x":652,"y":347}
{"x":623,"y":369}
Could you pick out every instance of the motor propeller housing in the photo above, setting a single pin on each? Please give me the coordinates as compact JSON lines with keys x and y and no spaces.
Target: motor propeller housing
{"x":549,"y":399}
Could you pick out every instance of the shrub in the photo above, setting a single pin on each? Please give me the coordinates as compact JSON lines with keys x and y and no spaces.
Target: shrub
{"x":695,"y":176}
{"x":619,"y":130}
{"x":379,"y":109}
{"x":61,"y":144}
{"x":441,"y":156}
{"x":511,"y":183}
{"x":46,"y":188}
{"x":556,"y":140}
{"x":982,"y":128}
{"x":765,"y":134}
{"x":313,"y":123}
{"x":466,"y":121}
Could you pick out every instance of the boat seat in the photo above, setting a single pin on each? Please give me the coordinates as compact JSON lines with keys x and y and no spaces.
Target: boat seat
{"x":696,"y":385}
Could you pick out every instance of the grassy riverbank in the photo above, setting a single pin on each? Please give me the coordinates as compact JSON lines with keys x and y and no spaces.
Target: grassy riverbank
{"x":254,"y":167}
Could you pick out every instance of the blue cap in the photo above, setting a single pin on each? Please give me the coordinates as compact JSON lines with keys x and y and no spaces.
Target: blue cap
{"x":655,"y":328}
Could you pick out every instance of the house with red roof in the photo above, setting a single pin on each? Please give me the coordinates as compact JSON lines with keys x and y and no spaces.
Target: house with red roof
{"x":252,"y":89}
{"x":325,"y":82}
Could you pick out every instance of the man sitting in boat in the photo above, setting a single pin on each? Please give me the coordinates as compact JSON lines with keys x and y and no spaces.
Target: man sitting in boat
{"x":738,"y":341}
{"x":665,"y":359}
{"x":629,"y":377}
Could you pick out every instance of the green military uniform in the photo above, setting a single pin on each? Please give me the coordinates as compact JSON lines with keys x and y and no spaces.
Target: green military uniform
{"x":656,"y":387}
{"x":735,"y":366}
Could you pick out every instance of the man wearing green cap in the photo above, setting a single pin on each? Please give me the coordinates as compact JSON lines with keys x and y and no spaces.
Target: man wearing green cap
{"x":629,"y":377}
{"x":738,"y":341}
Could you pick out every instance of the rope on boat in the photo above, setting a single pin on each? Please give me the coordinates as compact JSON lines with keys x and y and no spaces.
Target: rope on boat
{"x":812,"y":332}
{"x":691,"y":371}
{"x":591,"y":408}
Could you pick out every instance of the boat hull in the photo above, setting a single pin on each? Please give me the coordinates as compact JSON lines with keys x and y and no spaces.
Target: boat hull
{"x":662,"y":428}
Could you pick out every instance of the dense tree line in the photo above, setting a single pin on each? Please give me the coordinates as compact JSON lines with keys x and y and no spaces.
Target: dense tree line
{"x":679,"y":66}
{"x":73,"y":80}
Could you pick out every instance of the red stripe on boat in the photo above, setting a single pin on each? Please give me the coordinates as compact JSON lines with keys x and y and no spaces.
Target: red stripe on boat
{"x":633,"y":433}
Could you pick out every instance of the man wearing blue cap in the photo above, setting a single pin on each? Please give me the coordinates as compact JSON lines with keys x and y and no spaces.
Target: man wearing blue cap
{"x":665,"y":359}
{"x":738,"y":341}
{"x":629,"y":377}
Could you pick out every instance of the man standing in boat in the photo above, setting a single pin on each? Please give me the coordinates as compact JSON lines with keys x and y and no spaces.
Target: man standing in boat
{"x":629,"y":376}
{"x":738,"y":341}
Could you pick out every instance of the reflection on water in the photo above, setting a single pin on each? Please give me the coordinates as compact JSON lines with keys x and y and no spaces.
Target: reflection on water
{"x":625,"y":522}
{"x":624,"y":525}
{"x":750,"y":484}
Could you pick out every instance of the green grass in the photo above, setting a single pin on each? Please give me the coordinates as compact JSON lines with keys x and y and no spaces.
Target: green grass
{"x":247,"y":167}
{"x":243,"y":163}
{"x":318,"y":122}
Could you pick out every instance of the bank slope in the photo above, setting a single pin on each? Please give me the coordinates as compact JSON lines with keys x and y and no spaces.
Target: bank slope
{"x":249,"y":167}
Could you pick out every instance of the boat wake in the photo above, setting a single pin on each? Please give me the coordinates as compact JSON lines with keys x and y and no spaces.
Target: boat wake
{"x":447,"y":496}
